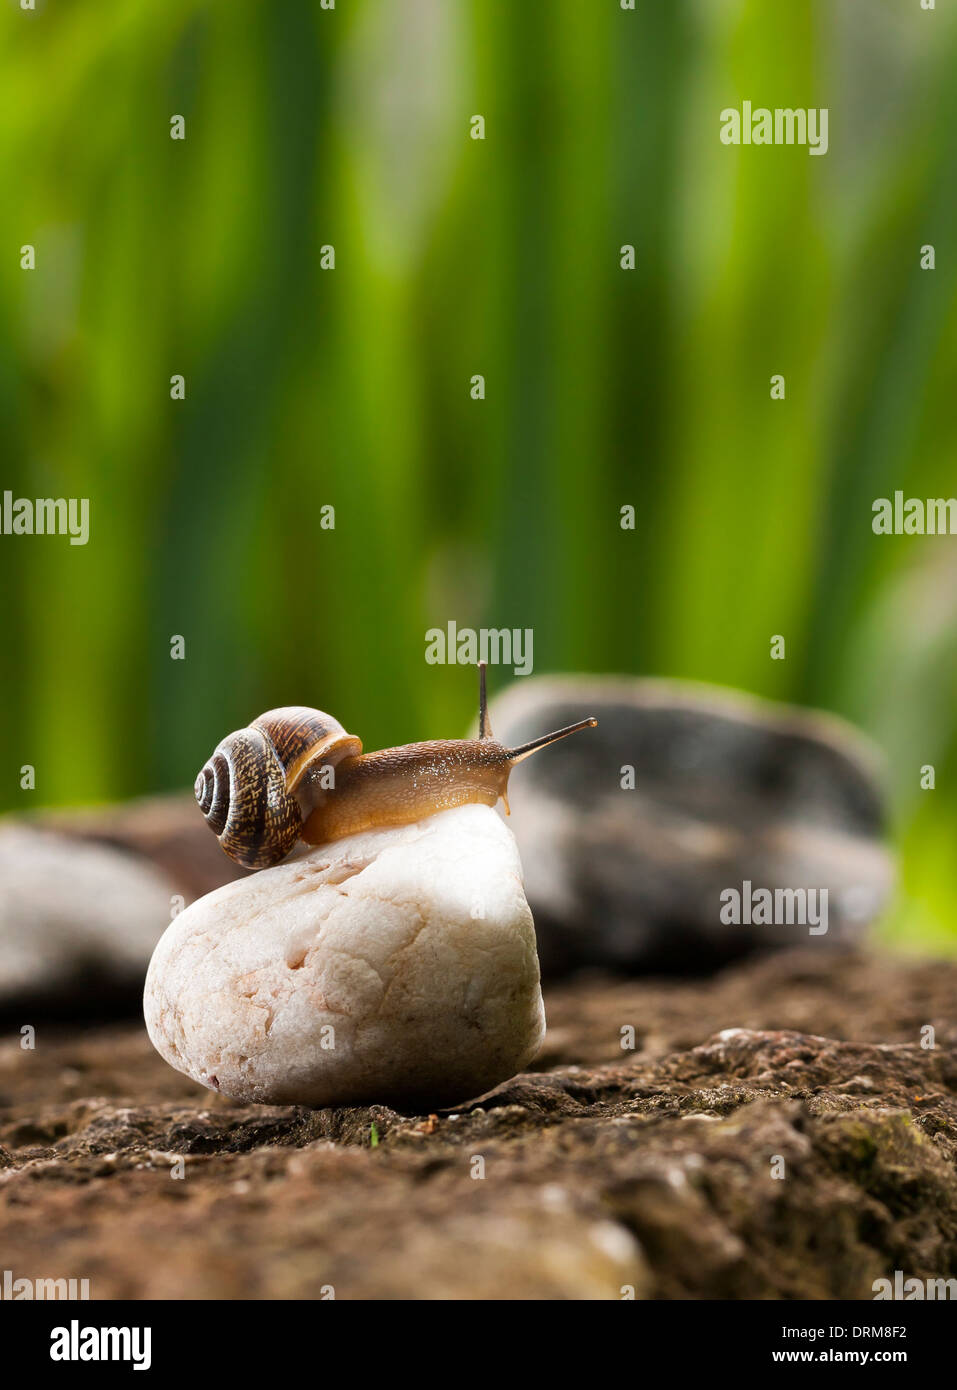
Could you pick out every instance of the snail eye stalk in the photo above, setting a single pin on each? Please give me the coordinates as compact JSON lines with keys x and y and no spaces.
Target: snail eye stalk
{"x":485,"y":727}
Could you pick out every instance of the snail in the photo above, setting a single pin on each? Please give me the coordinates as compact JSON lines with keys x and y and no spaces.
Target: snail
{"x":295,"y":773}
{"x":394,"y":962}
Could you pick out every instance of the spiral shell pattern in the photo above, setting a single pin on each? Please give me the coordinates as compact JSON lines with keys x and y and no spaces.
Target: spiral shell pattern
{"x":248,"y":789}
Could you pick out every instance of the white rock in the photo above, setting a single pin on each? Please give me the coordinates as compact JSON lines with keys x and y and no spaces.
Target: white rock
{"x":397,"y":966}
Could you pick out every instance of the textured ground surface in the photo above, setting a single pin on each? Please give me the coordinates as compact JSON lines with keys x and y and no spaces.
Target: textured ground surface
{"x":603,"y":1168}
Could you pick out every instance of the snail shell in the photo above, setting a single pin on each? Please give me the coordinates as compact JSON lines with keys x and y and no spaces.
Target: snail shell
{"x":248,"y":789}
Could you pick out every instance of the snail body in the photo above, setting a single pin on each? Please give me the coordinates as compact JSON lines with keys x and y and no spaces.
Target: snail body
{"x":296,"y":773}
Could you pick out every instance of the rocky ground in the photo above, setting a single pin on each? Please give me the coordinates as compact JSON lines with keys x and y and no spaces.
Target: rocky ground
{"x":605,"y":1169}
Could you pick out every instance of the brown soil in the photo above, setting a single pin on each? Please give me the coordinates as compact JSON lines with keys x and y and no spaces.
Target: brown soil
{"x":605,"y":1170}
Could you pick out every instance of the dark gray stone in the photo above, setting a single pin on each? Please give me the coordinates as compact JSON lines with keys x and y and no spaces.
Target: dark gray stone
{"x":729,"y":789}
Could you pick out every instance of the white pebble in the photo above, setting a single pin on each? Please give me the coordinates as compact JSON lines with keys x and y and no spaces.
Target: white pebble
{"x":397,"y":966}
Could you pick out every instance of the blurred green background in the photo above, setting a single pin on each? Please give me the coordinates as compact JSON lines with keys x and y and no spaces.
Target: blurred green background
{"x":350,"y":387}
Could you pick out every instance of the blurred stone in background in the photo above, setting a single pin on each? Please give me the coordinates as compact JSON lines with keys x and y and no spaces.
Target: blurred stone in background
{"x":85,"y":896}
{"x":728,"y":789}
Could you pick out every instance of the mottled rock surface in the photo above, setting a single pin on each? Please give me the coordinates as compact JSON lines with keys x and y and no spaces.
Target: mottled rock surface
{"x":604,"y":1169}
{"x":728,"y":789}
{"x":397,"y":965}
